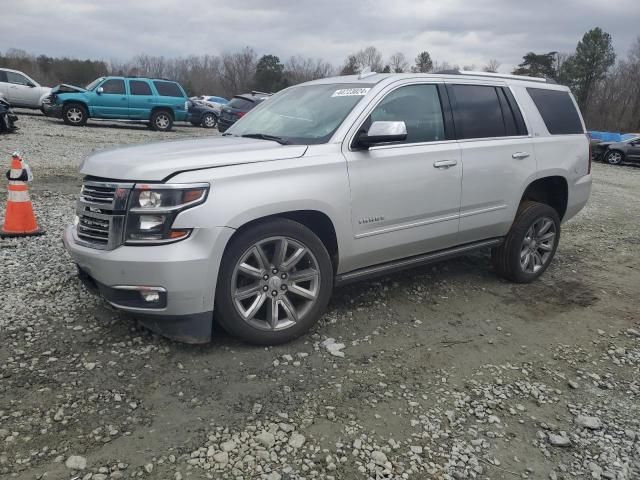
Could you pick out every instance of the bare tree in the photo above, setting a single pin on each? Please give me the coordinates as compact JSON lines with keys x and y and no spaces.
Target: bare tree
{"x":398,"y":63}
{"x":238,"y":70}
{"x":298,"y":69}
{"x":368,"y":57}
{"x":492,"y":66}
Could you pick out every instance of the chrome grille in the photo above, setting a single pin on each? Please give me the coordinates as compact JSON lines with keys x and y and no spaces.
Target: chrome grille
{"x":101,"y":212}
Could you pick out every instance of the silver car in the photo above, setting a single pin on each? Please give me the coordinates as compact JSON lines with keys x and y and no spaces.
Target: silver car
{"x":329,"y":182}
{"x":20,"y":90}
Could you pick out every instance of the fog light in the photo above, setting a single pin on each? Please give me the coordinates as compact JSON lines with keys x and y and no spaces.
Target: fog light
{"x":150,"y":222}
{"x":150,"y":297}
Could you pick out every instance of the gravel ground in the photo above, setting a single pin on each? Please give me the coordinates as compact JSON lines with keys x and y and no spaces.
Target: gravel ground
{"x":443,"y":372}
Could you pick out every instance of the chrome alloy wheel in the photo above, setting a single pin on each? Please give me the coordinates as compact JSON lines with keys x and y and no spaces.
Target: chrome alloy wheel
{"x":537,"y":245}
{"x":614,"y":158}
{"x":275,"y":283}
{"x":162,"y":121}
{"x":74,"y":115}
{"x":209,"y":121}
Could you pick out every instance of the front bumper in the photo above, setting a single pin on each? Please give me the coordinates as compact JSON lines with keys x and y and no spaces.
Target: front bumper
{"x":186,"y":271}
{"x":52,"y":110}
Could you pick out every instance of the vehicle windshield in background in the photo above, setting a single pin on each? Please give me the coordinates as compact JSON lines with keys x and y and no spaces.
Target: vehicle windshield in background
{"x":302,"y":115}
{"x":93,"y":84}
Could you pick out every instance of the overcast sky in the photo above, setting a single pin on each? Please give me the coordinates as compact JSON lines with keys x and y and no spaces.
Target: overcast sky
{"x":458,"y":31}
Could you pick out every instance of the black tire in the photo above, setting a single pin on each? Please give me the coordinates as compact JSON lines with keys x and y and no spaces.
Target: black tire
{"x":75,"y":114}
{"x":507,"y":257}
{"x":161,"y":120}
{"x":209,"y":120}
{"x":225,"y":310}
{"x":614,"y":157}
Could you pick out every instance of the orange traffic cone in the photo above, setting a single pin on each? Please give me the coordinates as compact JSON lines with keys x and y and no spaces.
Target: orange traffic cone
{"x":19,"y":220}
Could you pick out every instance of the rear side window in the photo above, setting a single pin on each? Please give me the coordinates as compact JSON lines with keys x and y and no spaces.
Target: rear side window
{"x":240,"y":103}
{"x":168,"y":89}
{"x":476,"y":111}
{"x":138,"y":87}
{"x":113,"y":86}
{"x":557,"y":110}
{"x":3,"y":76}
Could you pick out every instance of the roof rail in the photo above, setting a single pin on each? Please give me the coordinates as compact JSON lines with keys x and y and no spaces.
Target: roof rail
{"x":257,"y":92}
{"x":497,"y":75}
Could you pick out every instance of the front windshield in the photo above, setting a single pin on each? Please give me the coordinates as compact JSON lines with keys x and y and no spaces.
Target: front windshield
{"x":302,"y":115}
{"x":93,"y":84}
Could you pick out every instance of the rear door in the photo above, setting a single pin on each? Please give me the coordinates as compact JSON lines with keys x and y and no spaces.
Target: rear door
{"x":113,"y":102}
{"x":497,"y":158}
{"x":140,"y":99}
{"x":171,"y":95}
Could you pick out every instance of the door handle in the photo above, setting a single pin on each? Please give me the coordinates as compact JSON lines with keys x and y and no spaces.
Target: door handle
{"x":445,"y":163}
{"x":519,"y":155}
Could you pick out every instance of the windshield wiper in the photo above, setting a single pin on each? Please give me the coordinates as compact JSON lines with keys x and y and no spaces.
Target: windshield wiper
{"x":263,"y":136}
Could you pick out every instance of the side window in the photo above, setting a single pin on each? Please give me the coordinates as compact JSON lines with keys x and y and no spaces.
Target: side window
{"x":3,"y":76}
{"x":113,"y":86}
{"x":168,"y":89}
{"x":557,"y":110}
{"x":477,"y":112}
{"x":138,"y":87}
{"x":418,"y":106}
{"x":17,"y":79}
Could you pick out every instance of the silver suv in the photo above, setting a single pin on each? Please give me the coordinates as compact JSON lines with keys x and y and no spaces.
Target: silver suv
{"x":330,"y":182}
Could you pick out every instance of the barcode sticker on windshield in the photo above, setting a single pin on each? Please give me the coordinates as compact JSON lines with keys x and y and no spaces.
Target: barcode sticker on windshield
{"x":350,"y":92}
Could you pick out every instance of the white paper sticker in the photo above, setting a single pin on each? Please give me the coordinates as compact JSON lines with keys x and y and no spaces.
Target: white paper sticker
{"x":350,"y":92}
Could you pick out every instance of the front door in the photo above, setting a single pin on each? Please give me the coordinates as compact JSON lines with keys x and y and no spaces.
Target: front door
{"x":20,"y":91}
{"x":633,"y":152}
{"x":405,"y":198}
{"x":112,"y":102}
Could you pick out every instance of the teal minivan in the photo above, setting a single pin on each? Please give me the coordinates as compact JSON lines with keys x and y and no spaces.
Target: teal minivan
{"x":158,"y":101}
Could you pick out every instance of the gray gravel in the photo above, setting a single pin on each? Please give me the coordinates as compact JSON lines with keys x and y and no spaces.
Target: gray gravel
{"x":442,"y":372}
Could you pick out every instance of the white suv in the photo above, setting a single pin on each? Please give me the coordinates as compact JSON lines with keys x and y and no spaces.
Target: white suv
{"x":329,"y":182}
{"x":21,"y":90}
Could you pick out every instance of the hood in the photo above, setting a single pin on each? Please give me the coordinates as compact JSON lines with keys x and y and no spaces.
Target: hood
{"x":66,"y":88}
{"x":157,"y":161}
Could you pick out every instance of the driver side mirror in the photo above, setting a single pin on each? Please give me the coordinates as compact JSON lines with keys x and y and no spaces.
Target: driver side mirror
{"x":382,"y":132}
{"x":99,"y":90}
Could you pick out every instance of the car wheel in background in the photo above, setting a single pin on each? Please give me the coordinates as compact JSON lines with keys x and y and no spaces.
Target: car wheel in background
{"x":74,"y":114}
{"x":530,"y":245}
{"x":209,"y":120}
{"x":274,"y":283}
{"x":161,"y":120}
{"x":614,"y":157}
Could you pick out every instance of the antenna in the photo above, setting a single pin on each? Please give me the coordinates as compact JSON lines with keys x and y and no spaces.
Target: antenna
{"x":366,"y":72}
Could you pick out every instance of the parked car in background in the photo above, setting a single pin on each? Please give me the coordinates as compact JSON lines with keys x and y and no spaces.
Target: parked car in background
{"x":237,"y":108}
{"x":7,"y":117}
{"x":615,"y":153}
{"x":203,"y":114}
{"x":158,"y":101}
{"x":329,"y":182}
{"x":20,"y":90}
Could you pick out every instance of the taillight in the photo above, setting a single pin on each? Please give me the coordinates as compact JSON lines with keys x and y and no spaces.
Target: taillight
{"x":240,"y":114}
{"x":590,"y":154}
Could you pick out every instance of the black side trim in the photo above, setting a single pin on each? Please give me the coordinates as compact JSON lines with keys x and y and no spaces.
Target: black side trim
{"x":517,"y":113}
{"x":412,"y":262}
{"x":447,"y":113}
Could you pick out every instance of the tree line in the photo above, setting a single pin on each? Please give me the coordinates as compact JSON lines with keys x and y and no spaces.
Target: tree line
{"x":606,"y":88}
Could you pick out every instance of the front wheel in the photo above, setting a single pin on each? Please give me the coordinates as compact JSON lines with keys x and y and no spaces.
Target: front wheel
{"x":614,"y":157}
{"x":209,"y":120}
{"x":530,"y":245}
{"x":274,"y":284}
{"x":74,"y":114}
{"x":161,"y":120}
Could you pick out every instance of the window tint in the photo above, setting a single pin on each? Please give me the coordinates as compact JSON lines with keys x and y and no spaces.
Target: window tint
{"x":17,"y":79}
{"x":507,"y":114}
{"x":168,"y":89}
{"x":114,"y":86}
{"x":240,"y":103}
{"x":3,"y":76}
{"x":557,"y":110}
{"x":477,"y":112}
{"x":138,"y":87}
{"x":418,"y":106}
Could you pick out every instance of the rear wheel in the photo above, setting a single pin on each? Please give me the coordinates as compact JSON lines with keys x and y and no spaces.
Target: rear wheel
{"x":209,"y":120}
{"x":74,"y":114}
{"x":614,"y":157}
{"x":161,"y":120}
{"x":530,"y":245}
{"x":275,"y":282}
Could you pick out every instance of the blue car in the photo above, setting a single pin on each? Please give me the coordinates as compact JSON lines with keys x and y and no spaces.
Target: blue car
{"x":158,"y":101}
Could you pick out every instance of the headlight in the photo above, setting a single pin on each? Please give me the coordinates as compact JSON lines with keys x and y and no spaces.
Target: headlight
{"x":154,"y":207}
